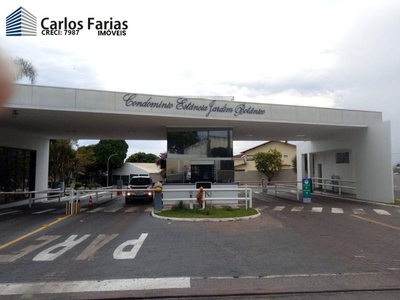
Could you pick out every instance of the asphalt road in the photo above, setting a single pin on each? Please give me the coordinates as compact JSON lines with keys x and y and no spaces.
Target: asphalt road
{"x":325,"y":249}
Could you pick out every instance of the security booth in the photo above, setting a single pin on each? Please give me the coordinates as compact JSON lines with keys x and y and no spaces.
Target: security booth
{"x":202,"y":172}
{"x":205,"y":154}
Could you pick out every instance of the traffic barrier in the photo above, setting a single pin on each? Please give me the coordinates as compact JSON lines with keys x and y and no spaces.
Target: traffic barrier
{"x":68,"y":209}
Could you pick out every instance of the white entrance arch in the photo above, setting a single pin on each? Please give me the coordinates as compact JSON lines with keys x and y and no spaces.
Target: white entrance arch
{"x":37,"y":114}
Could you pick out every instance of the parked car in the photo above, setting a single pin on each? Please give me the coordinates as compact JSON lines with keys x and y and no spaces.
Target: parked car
{"x":140,"y":188}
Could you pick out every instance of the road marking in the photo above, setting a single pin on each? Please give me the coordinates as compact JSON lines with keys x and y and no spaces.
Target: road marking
{"x":288,"y":276}
{"x":375,"y":222}
{"x":133,"y":247}
{"x":337,"y":210}
{"x":43,"y":211}
{"x":359,"y":211}
{"x":9,"y":212}
{"x":50,"y":254}
{"x":297,"y":208}
{"x":132,"y":209}
{"x":278,"y":208}
{"x":109,"y":285}
{"x":316,"y":209}
{"x":382,"y":212}
{"x":98,"y":242}
{"x":16,"y":255}
{"x":113,"y":209}
{"x":33,"y":232}
{"x":149,"y":209}
{"x":261,"y":208}
{"x":95,"y":210}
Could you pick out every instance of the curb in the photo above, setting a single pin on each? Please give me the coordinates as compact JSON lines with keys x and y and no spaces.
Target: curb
{"x":205,"y":219}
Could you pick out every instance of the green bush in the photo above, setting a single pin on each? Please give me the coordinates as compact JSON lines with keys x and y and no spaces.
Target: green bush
{"x":93,"y":186}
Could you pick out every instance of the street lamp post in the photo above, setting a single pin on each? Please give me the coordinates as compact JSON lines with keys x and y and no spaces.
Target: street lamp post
{"x":108,"y":161}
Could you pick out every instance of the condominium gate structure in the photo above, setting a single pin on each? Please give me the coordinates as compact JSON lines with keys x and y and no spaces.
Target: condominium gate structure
{"x":338,"y":144}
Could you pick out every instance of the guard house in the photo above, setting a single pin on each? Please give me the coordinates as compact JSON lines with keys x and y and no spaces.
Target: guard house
{"x":201,"y":154}
{"x":352,"y":145}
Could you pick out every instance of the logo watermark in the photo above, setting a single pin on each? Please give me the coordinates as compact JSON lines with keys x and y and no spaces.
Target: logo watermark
{"x":21,"y":23}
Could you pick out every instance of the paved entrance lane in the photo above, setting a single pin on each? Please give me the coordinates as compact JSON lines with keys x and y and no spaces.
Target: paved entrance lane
{"x":276,"y":245}
{"x":263,"y":246}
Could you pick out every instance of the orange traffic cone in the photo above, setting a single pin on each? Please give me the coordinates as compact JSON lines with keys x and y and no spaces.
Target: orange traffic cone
{"x":90,"y":204}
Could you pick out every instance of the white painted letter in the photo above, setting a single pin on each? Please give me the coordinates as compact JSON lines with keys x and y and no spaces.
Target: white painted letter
{"x":69,"y":243}
{"x":12,"y":257}
{"x":119,"y":253}
{"x":98,"y":242}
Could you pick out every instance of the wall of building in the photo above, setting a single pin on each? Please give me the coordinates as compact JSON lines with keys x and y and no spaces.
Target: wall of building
{"x":288,"y":150}
{"x":129,"y":169}
{"x":255,"y":176}
{"x":15,"y":139}
{"x":371,"y":153}
{"x":346,"y":171}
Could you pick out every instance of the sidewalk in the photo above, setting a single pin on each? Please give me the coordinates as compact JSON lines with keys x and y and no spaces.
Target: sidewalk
{"x":103,"y":197}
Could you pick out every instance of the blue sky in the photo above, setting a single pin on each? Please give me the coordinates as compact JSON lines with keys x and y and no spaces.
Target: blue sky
{"x":341,"y":54}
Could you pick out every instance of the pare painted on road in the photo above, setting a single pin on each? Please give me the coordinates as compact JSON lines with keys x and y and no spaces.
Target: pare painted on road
{"x":126,"y":250}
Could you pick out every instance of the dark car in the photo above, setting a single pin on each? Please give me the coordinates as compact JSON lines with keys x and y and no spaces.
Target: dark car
{"x":139,"y":188}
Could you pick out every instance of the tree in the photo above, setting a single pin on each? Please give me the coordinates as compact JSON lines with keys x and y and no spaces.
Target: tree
{"x":268,"y":163}
{"x":86,"y":161}
{"x":103,"y":150}
{"x":161,"y":163}
{"x":62,"y":163}
{"x":294,"y":164}
{"x":24,"y":69}
{"x":141,"y":157}
{"x":179,"y":141}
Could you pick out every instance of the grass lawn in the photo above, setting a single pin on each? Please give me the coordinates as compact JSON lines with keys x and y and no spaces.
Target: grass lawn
{"x":225,"y":212}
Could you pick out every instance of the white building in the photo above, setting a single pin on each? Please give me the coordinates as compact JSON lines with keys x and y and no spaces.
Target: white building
{"x":128,"y":170}
{"x":355,"y":145}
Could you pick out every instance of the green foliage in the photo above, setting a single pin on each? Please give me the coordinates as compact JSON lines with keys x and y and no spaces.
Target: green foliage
{"x":85,"y":157}
{"x":78,"y":185}
{"x":268,"y":162}
{"x":179,"y":206}
{"x":141,"y":157}
{"x":105,"y":148}
{"x":104,"y":151}
{"x":178,"y":141}
{"x":62,"y":161}
{"x":294,"y":164}
{"x":185,"y":212}
{"x":24,"y":69}
{"x":220,"y":152}
{"x":93,"y":185}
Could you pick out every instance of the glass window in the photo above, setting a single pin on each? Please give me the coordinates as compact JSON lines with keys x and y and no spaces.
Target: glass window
{"x":199,"y":155}
{"x":200,"y":143}
{"x":342,"y":158}
{"x":17,"y":172}
{"x":140,"y":181}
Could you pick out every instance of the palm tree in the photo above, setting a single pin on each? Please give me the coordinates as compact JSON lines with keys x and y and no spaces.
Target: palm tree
{"x":24,"y":69}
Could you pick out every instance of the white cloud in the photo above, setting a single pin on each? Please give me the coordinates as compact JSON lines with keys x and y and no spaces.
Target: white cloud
{"x":315,"y":53}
